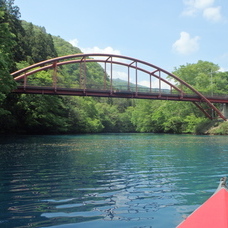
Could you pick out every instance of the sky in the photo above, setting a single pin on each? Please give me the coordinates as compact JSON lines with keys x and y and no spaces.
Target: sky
{"x":166,"y":33}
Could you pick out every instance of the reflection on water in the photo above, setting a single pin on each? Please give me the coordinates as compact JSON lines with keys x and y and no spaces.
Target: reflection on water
{"x":112,"y":180}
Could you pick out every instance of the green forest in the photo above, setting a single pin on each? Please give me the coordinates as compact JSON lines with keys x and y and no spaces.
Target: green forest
{"x":23,"y":44}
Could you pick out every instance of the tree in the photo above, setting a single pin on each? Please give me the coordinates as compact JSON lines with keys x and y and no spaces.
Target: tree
{"x":40,"y":114}
{"x":6,"y":55}
{"x":39,"y":45}
{"x":145,"y":116}
{"x":12,"y":15}
{"x":199,"y":75}
{"x":83,"y":116}
{"x":219,"y":83}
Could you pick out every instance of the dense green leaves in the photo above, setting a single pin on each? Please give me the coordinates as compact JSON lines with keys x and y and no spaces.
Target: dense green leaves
{"x":164,"y":116}
{"x":219,"y":83}
{"x":38,"y":45}
{"x":64,"y":48}
{"x":198,"y":75}
{"x":22,"y":44}
{"x":6,"y":55}
{"x":41,"y":114}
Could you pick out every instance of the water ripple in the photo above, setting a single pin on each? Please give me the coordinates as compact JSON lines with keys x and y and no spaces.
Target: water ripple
{"x":114,"y":180}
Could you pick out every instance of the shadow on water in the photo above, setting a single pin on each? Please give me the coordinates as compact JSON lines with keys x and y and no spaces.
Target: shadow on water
{"x":107,"y":180}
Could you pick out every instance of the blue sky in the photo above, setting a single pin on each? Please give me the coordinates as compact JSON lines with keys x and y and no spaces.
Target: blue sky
{"x":166,"y":33}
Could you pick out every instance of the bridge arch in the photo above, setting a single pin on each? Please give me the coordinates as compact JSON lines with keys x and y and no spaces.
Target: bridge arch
{"x":182,"y":92}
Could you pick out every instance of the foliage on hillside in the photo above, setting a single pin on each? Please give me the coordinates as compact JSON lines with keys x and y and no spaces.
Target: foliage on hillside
{"x":22,"y":44}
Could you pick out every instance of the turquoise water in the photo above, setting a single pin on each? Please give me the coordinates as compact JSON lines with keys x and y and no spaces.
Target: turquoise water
{"x":107,"y":180}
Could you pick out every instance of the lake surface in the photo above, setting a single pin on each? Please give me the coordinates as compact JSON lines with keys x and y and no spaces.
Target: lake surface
{"x":107,"y":180}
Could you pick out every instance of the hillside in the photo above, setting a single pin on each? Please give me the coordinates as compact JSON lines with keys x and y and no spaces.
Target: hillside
{"x":23,"y":44}
{"x":123,"y":84}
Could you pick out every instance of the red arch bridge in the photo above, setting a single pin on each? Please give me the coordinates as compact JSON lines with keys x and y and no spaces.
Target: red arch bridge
{"x":161,"y":84}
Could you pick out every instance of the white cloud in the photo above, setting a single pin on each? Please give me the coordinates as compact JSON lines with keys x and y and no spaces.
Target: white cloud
{"x":194,"y":6}
{"x":213,"y":14}
{"x":189,"y":12}
{"x":203,"y":7}
{"x":107,"y":50}
{"x":186,"y":45}
{"x":221,"y":69}
{"x":74,"y":42}
{"x":200,"y":4}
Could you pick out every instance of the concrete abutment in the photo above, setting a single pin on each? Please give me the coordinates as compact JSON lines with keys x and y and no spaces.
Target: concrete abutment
{"x":225,"y":110}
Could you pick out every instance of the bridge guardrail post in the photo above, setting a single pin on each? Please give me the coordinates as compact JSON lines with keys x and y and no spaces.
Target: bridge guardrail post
{"x":54,"y":76}
{"x":25,"y":81}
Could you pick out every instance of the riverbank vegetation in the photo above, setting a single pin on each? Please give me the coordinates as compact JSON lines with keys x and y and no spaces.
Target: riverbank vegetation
{"x":22,"y":44}
{"x":219,"y":129}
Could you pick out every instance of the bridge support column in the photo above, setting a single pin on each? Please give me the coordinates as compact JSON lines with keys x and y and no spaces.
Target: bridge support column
{"x":225,"y":110}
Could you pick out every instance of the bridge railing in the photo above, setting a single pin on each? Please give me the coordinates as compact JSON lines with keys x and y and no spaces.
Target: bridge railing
{"x":48,"y":82}
{"x":32,"y":81}
{"x":118,"y":88}
{"x":216,"y":95}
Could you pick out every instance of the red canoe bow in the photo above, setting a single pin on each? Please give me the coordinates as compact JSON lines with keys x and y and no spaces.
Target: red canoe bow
{"x":213,"y":213}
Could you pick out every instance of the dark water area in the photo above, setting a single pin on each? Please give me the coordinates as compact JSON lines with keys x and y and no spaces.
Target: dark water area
{"x":107,"y":180}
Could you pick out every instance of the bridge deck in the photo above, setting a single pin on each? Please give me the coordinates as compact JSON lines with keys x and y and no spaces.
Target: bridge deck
{"x":115,"y":93}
